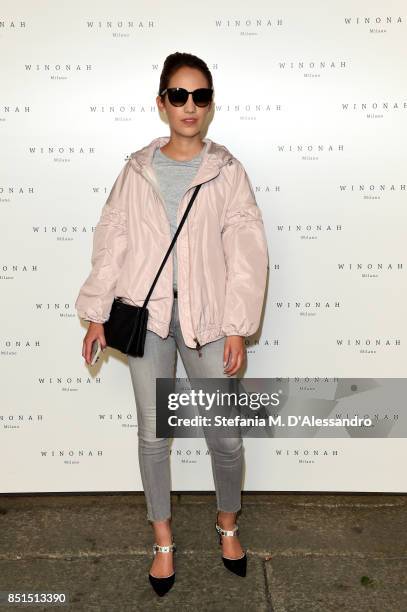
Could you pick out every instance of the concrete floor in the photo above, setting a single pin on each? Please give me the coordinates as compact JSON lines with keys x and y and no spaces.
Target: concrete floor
{"x":306,"y":553}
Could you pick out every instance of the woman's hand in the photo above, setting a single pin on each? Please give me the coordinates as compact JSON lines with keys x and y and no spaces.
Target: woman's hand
{"x":233,"y":354}
{"x":95,"y":331}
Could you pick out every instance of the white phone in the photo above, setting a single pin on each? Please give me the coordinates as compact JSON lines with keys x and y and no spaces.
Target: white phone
{"x":96,"y":350}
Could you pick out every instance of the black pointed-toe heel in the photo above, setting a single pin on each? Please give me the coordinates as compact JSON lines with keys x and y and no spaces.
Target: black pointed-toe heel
{"x":237,"y":566}
{"x":162,"y":585}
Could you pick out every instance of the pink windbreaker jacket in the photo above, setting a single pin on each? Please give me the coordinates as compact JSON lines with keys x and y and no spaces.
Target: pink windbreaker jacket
{"x":221,"y":250}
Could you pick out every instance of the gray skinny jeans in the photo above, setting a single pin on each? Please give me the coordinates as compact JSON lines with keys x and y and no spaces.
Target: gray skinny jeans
{"x":159,"y":361}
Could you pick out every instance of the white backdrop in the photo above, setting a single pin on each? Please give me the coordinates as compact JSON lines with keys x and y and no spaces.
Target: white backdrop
{"x":311,"y":97}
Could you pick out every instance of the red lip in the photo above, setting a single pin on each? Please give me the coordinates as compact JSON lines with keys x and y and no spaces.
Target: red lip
{"x":190,"y":120}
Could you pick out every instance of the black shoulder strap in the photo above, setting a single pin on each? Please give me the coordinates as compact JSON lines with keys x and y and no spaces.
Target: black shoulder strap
{"x":197,"y":188}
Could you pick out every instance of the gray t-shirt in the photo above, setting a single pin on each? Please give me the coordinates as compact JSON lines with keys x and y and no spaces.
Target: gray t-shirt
{"x":173,"y":178}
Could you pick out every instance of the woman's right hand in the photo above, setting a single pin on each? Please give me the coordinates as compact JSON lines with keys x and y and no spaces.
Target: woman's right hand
{"x":95,"y":332}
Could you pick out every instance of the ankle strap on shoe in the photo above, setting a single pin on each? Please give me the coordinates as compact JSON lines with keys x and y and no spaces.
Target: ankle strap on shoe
{"x":169,"y":548}
{"x":227,"y":532}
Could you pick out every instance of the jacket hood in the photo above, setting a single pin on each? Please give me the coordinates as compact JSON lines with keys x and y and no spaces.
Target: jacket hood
{"x":214,"y":155}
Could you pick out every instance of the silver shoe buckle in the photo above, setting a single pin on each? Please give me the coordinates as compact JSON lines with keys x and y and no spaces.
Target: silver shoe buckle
{"x":165,"y":549}
{"x":227,"y":532}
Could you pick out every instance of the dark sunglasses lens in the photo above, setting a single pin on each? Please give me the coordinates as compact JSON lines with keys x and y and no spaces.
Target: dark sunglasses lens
{"x":177,"y":97}
{"x":202,"y":97}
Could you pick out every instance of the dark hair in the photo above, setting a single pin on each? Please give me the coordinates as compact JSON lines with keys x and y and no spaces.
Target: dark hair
{"x":175,"y":61}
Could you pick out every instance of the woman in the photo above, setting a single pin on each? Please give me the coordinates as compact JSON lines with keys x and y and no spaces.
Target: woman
{"x":219,"y":265}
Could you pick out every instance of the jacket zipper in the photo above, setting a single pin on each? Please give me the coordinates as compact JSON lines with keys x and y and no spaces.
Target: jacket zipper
{"x":198,"y":347}
{"x":158,"y":192}
{"x":144,"y":173}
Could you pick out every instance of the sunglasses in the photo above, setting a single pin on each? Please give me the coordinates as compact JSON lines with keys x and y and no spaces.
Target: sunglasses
{"x":178,"y":96}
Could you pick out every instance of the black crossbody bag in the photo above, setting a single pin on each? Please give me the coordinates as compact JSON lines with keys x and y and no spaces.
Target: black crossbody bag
{"x":126,"y":328}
